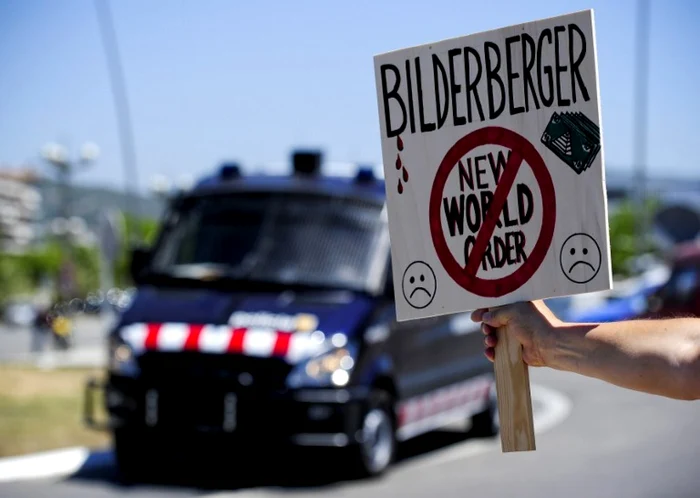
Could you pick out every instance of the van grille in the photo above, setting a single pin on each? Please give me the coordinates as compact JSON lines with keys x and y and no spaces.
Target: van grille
{"x":235,"y":372}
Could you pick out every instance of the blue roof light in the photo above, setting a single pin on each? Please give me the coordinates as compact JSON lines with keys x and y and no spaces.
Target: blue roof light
{"x":229,"y":170}
{"x":365,"y":174}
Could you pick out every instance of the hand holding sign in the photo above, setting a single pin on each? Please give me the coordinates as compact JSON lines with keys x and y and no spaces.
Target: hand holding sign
{"x":506,"y":199}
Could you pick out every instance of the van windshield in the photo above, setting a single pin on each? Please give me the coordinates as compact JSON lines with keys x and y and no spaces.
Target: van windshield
{"x":283,"y":238}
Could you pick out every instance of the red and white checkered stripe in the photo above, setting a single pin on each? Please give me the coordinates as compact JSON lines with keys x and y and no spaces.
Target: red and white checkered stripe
{"x":221,"y":339}
{"x":444,"y":399}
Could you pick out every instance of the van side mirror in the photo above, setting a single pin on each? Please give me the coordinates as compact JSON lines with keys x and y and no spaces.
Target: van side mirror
{"x":140,"y":257}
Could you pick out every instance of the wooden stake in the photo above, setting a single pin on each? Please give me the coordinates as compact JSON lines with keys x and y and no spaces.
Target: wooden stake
{"x":513,"y":391}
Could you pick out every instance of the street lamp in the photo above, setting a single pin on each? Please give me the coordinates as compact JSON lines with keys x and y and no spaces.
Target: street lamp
{"x":57,"y":155}
{"x":89,"y":152}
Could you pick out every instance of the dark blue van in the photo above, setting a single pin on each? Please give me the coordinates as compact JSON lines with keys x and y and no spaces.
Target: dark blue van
{"x":264,"y":313}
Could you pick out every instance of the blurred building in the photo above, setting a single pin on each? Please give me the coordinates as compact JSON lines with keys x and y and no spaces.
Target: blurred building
{"x":20,"y":209}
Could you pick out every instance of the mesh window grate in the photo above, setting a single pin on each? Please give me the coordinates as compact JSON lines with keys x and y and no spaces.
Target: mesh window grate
{"x":288,"y":238}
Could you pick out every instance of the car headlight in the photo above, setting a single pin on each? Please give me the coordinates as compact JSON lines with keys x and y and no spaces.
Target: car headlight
{"x":121,"y":357}
{"x":332,"y":368}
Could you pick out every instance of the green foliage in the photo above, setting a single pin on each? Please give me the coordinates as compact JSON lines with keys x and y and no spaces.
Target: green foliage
{"x":136,"y":231}
{"x":14,"y":279}
{"x":626,"y":242}
{"x":24,"y":273}
{"x":139,"y":230}
{"x":87,"y":264}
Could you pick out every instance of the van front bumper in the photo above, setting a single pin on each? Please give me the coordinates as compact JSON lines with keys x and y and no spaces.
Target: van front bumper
{"x":305,"y":417}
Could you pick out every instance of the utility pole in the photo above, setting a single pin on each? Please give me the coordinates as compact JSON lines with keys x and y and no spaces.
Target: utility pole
{"x":641,"y":118}
{"x":121,"y":103}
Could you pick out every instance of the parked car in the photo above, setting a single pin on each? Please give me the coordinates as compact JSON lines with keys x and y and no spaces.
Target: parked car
{"x":680,"y":295}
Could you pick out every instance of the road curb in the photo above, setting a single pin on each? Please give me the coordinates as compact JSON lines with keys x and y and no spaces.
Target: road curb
{"x":54,"y":463}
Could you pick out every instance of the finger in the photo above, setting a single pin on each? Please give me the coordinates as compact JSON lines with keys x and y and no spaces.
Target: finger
{"x":478,"y":314}
{"x":498,"y":317}
{"x":486,"y":330}
{"x":490,"y":354}
{"x":491,"y":340}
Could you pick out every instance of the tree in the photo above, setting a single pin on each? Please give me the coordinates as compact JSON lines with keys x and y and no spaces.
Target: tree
{"x":141,"y":231}
{"x":626,"y":243}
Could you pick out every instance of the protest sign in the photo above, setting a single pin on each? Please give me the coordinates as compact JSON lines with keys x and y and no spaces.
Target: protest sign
{"x":494,"y":170}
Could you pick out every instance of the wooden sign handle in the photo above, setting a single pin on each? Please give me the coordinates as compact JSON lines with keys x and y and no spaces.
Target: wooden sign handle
{"x":513,"y":392}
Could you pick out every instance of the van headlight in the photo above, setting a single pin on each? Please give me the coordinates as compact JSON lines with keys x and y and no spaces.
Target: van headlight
{"x":332,"y":368}
{"x":121,"y":359}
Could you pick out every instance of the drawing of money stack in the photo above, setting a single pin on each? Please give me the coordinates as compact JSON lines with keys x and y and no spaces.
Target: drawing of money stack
{"x":574,"y":138}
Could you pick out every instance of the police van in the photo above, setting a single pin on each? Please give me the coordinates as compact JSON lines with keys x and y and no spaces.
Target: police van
{"x":264,"y":313}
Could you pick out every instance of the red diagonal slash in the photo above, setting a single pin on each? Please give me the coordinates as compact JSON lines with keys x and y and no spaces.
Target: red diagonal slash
{"x":500,"y":196}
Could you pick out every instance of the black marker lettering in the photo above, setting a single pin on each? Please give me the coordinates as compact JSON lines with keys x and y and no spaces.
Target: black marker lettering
{"x":472,"y":84}
{"x":442,"y":112}
{"x":520,"y":247}
{"x":424,"y":127}
{"x":411,"y":112}
{"x":479,"y":172}
{"x":525,"y":203}
{"x":506,"y":216}
{"x":392,"y":94}
{"x":486,"y":199}
{"x":546,"y":101}
{"x":575,"y":73}
{"x":498,"y":165}
{"x":454,"y":213}
{"x":473,"y":222}
{"x":559,"y":69}
{"x":511,"y":76}
{"x":454,"y":87}
{"x":466,"y":175}
{"x":528,"y":63}
{"x":491,"y":76}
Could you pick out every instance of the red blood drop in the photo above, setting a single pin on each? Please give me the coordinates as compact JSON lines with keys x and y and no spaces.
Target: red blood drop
{"x":405,"y":174}
{"x":398,"y":162}
{"x":399,"y":142}
{"x":400,"y":187}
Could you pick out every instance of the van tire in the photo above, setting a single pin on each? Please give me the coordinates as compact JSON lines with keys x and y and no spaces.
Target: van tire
{"x":376,"y":452}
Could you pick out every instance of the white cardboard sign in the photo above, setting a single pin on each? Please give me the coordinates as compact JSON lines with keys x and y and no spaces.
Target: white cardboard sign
{"x":494,"y":168}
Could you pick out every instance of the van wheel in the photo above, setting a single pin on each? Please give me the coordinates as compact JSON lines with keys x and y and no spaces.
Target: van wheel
{"x":377,"y":449}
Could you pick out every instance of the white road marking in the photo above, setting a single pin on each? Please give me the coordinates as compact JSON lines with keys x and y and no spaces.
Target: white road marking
{"x":46,"y":464}
{"x":555,"y":409}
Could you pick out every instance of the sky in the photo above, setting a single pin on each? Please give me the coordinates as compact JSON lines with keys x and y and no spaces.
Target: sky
{"x":212,"y":80}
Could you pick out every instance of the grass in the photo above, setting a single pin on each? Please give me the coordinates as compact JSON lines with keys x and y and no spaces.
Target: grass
{"x":42,"y":410}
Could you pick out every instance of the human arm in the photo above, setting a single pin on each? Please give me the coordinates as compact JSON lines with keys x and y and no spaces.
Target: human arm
{"x":654,"y":356}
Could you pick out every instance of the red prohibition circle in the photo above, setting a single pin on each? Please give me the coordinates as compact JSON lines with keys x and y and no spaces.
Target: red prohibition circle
{"x":521,"y":150}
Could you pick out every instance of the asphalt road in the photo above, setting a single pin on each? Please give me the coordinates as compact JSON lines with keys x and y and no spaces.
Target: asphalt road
{"x":614,"y":443}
